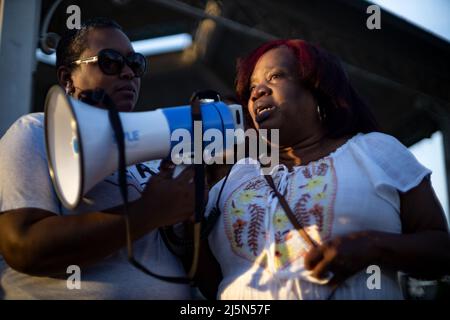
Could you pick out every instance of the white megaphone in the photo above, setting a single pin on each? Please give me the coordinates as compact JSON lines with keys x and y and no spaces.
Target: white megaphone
{"x":82,"y":151}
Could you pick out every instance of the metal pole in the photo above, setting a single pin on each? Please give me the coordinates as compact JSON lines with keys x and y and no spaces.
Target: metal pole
{"x":19,"y":34}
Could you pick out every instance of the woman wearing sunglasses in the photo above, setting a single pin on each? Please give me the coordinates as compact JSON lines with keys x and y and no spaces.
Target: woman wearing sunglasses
{"x":42,"y":243}
{"x":129,"y":68}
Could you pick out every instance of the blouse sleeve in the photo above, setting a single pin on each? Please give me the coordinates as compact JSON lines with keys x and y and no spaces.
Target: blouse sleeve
{"x":390,"y":166}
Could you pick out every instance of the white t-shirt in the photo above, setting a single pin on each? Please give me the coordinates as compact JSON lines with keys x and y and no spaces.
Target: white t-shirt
{"x":355,"y":188}
{"x":25,"y":182}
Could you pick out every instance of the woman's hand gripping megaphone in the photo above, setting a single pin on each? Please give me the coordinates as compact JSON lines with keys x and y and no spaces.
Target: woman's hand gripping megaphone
{"x":168,"y":200}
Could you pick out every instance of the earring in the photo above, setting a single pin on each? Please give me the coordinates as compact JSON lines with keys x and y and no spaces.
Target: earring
{"x":69,"y":89}
{"x":319,"y":113}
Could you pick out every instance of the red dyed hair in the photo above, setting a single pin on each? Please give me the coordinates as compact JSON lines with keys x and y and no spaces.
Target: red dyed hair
{"x":342,"y":110}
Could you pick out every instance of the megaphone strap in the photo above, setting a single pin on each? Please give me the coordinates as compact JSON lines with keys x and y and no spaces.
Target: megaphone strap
{"x":117,"y":127}
{"x":199,"y":169}
{"x":199,"y":178}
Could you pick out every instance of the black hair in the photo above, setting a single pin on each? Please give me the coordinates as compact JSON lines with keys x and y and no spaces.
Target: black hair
{"x":74,"y":42}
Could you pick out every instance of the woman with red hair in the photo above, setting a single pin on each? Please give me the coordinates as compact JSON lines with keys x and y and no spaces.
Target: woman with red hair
{"x":346,"y":208}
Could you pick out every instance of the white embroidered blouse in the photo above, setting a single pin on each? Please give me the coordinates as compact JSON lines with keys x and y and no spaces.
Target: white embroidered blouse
{"x":354,"y":188}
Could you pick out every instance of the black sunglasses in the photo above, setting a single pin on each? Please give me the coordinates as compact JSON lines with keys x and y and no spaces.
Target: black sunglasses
{"x":112,"y":62}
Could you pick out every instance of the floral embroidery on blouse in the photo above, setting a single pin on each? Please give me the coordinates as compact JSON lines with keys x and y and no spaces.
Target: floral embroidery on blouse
{"x":311,"y":194}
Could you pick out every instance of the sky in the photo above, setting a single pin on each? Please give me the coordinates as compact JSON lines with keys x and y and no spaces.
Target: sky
{"x":433,"y":16}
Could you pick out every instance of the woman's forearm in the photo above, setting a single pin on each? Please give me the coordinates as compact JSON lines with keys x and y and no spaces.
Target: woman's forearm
{"x":40,"y":242}
{"x":423,"y":254}
{"x":46,"y":244}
